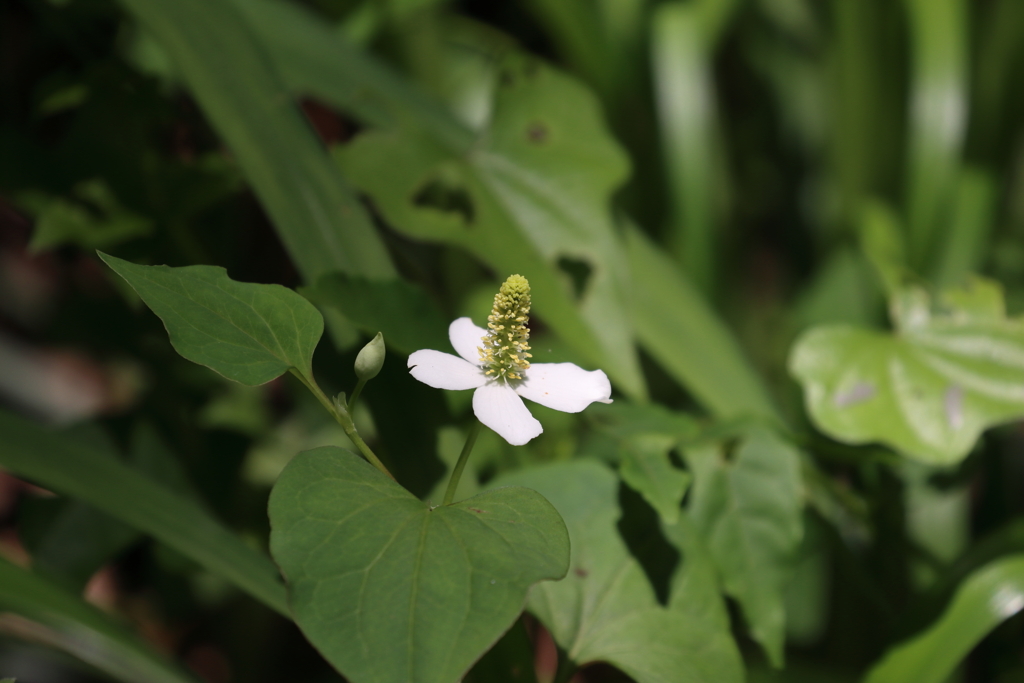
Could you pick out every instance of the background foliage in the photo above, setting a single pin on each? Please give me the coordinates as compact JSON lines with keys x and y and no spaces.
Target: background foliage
{"x":790,"y":231}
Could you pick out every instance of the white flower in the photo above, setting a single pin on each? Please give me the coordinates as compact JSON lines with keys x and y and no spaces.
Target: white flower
{"x":496,"y":402}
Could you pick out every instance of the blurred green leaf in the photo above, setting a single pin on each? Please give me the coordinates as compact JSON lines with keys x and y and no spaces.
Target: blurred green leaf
{"x":938,"y":120}
{"x":530,"y":198}
{"x":682,"y":49}
{"x":402,"y":311}
{"x":390,"y":589}
{"x":844,"y":290}
{"x":249,"y":333}
{"x":970,"y":228}
{"x":748,"y":505}
{"x":317,"y":216}
{"x":648,"y":470}
{"x":881,"y":240}
{"x":62,"y":620}
{"x":605,"y":610}
{"x":96,"y":220}
{"x":676,"y":325}
{"x":69,"y":467}
{"x":314,"y":59}
{"x":985,"y":599}
{"x":928,"y":390}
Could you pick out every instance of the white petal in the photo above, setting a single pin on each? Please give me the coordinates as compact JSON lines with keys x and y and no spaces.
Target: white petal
{"x":444,"y":371}
{"x":498,"y":407}
{"x":466,"y":338}
{"x":564,"y":386}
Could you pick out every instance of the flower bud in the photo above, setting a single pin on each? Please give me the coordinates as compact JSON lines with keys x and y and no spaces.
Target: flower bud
{"x":370,"y":359}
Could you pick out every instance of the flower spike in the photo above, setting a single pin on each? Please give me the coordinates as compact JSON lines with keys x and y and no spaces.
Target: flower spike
{"x":505,"y":349}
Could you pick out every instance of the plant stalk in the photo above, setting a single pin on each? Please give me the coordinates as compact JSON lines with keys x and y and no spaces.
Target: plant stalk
{"x":453,"y":483}
{"x":344,"y":419}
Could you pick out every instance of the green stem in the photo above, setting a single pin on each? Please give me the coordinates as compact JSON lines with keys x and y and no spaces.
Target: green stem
{"x":355,"y":394}
{"x":453,"y":483}
{"x":344,"y":419}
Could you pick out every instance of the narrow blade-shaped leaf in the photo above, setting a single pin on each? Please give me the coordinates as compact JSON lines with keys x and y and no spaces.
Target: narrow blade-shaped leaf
{"x":61,"y":619}
{"x":390,"y":589}
{"x":676,"y":325}
{"x":247,"y":332}
{"x":69,"y":467}
{"x":320,"y":221}
{"x":986,"y":598}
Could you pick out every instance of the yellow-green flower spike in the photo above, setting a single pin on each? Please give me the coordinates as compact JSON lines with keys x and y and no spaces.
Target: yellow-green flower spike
{"x":505,"y":348}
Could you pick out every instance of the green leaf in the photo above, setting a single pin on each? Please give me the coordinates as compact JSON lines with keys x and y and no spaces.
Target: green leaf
{"x":247,"y":332}
{"x":606,"y":610}
{"x":97,"y":220}
{"x":938,"y":120}
{"x":390,"y":589}
{"x":70,"y":540}
{"x":69,"y":467}
{"x":314,"y":59}
{"x":970,"y":228}
{"x":986,"y":598}
{"x":320,"y":221}
{"x":402,"y":311}
{"x":61,"y":619}
{"x":531,"y":198}
{"x":930,"y":388}
{"x":676,"y":325}
{"x":749,"y":508}
{"x":647,"y":468}
{"x":682,"y":59}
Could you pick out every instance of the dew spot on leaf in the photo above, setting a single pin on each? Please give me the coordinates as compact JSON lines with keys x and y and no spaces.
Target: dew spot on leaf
{"x":954,"y":405}
{"x":858,"y":393}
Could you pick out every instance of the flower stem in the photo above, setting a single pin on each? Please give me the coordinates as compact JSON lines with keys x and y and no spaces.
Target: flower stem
{"x":355,"y":394}
{"x":341,"y":414}
{"x":453,"y":483}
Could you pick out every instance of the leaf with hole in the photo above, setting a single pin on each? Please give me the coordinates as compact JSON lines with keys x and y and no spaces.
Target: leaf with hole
{"x":605,"y":610}
{"x":749,"y":509}
{"x":247,"y":332}
{"x":390,"y":589}
{"x":531,"y":197}
{"x":929,"y":388}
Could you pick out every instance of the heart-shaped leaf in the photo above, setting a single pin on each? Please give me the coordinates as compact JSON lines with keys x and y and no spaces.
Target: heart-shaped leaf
{"x":930,"y":388}
{"x":249,"y":333}
{"x":391,"y":590}
{"x":606,"y":610}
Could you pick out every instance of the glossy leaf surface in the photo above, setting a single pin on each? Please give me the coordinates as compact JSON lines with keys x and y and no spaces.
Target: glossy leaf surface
{"x":605,"y":610}
{"x":247,"y":332}
{"x":930,"y":388}
{"x":531,"y":198}
{"x":390,"y":589}
{"x":986,"y":598}
{"x":748,"y":509}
